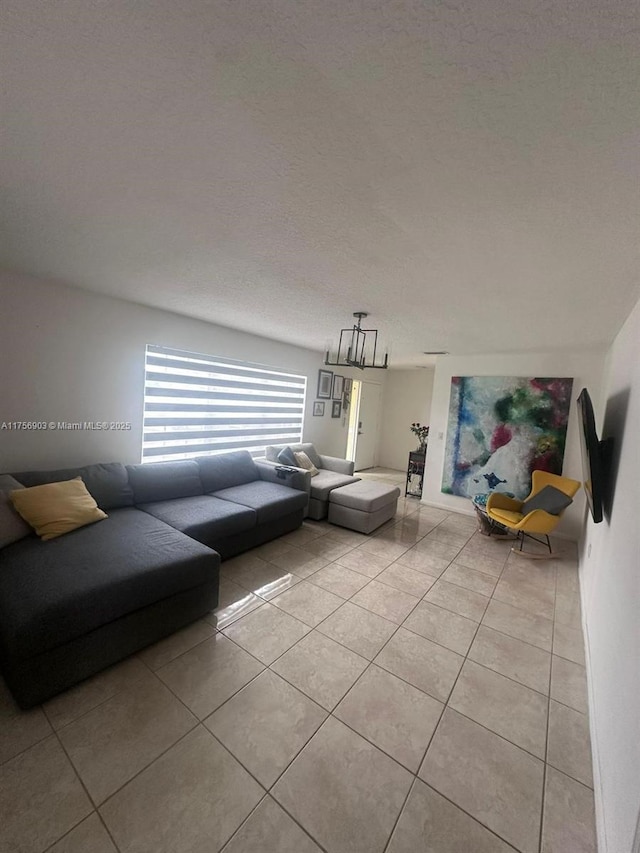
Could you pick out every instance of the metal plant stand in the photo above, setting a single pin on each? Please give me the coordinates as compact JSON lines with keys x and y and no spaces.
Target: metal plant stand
{"x":415,"y":472}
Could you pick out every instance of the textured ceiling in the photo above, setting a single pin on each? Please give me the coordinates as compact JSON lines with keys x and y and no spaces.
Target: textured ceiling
{"x":467,"y":173}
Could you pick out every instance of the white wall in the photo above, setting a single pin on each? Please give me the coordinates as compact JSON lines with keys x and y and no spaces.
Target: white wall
{"x":407,"y":400}
{"x":610,"y":587}
{"x":70,"y":355}
{"x":586,"y":369}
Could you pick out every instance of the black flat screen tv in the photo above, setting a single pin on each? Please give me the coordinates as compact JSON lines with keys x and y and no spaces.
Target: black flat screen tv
{"x":592,"y":456}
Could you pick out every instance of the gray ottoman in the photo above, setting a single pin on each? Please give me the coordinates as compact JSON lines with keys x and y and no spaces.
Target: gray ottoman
{"x":363,"y":506}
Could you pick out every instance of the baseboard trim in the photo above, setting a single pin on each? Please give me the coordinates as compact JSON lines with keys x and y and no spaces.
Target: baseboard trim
{"x":446,"y":508}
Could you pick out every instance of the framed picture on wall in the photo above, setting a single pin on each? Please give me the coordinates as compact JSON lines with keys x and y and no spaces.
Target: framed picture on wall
{"x":346,"y":399}
{"x":325,"y":380}
{"x":318,"y":409}
{"x":336,"y":409}
{"x":338,"y":387}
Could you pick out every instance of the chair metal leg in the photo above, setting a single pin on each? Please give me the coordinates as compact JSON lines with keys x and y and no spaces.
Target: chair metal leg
{"x":521,"y":552}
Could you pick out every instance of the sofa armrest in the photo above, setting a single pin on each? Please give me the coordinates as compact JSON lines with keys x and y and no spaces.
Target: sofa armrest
{"x":334,"y":463}
{"x":300,"y":480}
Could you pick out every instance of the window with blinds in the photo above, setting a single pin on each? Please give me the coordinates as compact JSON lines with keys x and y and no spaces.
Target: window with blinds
{"x":199,"y":405}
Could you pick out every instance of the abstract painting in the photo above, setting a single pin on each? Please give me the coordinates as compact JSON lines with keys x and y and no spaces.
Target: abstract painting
{"x":500,"y":430}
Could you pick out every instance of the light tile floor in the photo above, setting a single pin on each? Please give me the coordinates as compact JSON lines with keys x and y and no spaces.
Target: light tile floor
{"x":421,"y":690}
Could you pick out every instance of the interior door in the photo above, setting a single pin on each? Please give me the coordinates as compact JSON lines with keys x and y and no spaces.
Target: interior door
{"x":368,"y":425}
{"x":352,"y":430}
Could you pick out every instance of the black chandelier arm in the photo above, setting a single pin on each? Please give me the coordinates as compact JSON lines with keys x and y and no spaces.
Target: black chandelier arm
{"x":356,"y":365}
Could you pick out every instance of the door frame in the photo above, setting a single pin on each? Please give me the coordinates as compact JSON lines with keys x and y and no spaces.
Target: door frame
{"x":379,"y":391}
{"x":354,"y":418}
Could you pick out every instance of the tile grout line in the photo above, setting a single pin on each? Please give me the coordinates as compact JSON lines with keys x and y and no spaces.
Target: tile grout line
{"x":548,"y":698}
{"x":444,"y":704}
{"x":107,"y":698}
{"x":377,"y":746}
{"x":453,"y":686}
{"x":296,"y":821}
{"x":447,"y":705}
{"x":477,"y":820}
{"x":369,"y":664}
{"x":444,"y":708}
{"x":329,"y":713}
{"x":546,"y":744}
{"x":237,"y":830}
{"x":400,"y":813}
{"x":199,"y":722}
{"x":89,"y":797}
{"x":31,"y":745}
{"x":398,"y":626}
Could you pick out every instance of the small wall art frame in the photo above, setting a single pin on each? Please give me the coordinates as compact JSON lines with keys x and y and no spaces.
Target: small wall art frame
{"x":325,"y":384}
{"x":336,"y":409}
{"x":318,"y":409}
{"x":338,"y":387}
{"x":346,"y":399}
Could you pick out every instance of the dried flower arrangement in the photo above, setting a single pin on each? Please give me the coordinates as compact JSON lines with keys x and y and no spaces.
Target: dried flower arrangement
{"x":422,"y":432}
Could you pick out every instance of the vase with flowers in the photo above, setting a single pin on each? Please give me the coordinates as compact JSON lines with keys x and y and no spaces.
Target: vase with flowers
{"x":422,"y":433}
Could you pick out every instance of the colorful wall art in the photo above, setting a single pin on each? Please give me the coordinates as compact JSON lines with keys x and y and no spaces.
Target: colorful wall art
{"x":501,"y":429}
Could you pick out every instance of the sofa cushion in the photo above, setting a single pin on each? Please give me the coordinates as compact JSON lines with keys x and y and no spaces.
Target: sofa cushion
{"x":53,"y":592}
{"x":164,"y":481}
{"x":227,"y":469}
{"x":106,"y":482}
{"x":311,"y":452}
{"x":549,"y":499}
{"x":203,"y":517}
{"x":306,"y":464}
{"x":271,"y":452}
{"x":508,"y":517}
{"x":57,"y":508}
{"x":287,"y":457}
{"x":270,"y":500}
{"x":12,"y":526}
{"x":325,"y":481}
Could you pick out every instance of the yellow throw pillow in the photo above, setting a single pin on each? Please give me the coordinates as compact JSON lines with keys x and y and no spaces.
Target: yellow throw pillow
{"x":57,"y":508}
{"x":304,"y":462}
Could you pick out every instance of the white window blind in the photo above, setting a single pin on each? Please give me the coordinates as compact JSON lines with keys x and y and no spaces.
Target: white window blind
{"x":200,"y":405}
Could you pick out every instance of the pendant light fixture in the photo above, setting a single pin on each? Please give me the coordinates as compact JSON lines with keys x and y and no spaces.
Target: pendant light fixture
{"x":358,"y":347}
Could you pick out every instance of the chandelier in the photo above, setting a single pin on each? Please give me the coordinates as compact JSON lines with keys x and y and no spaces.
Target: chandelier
{"x":355,"y":347}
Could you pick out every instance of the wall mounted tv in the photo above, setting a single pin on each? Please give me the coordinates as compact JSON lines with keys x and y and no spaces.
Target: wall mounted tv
{"x":593,"y":456}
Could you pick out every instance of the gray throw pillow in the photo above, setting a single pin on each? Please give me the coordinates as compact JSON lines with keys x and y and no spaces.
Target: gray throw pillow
{"x":312,"y":453}
{"x":12,"y":526}
{"x":286,"y":457}
{"x":549,"y":499}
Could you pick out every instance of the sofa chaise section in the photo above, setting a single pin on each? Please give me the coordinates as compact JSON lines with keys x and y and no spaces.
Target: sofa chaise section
{"x":83,"y":601}
{"x":71,"y":606}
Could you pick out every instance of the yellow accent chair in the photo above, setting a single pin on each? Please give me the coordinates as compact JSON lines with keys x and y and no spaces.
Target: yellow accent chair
{"x":508,"y":511}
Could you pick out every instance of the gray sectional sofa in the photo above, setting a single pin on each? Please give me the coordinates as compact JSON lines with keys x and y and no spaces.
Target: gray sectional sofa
{"x":333,"y":473}
{"x":76,"y":604}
